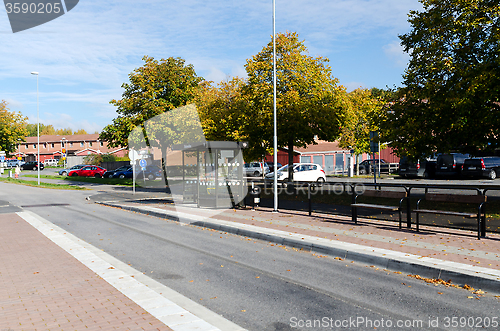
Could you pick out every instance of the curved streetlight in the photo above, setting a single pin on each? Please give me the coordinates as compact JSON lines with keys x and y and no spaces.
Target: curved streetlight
{"x":37,"y":127}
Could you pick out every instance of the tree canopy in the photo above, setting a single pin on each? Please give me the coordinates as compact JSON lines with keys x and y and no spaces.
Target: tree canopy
{"x":222,"y":110}
{"x":450,"y":99}
{"x":362,"y":116}
{"x":49,"y":130}
{"x":309,"y":101}
{"x":154,"y":88}
{"x":12,"y":128}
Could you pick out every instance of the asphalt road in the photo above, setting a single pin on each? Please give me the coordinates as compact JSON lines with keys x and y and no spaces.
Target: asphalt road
{"x":256,"y":284}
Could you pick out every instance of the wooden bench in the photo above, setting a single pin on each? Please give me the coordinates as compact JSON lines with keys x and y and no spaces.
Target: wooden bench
{"x":379,"y":194}
{"x":480,"y":200}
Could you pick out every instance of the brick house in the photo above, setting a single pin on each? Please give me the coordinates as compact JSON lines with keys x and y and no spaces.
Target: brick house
{"x":51,"y":147}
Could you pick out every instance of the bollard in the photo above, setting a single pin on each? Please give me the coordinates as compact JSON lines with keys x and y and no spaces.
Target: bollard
{"x":256,"y":196}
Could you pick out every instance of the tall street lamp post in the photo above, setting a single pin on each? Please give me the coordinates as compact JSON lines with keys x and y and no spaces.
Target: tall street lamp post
{"x":275,"y":138}
{"x":37,"y":127}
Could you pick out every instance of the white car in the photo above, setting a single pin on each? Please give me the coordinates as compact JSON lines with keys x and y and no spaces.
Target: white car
{"x":302,"y":172}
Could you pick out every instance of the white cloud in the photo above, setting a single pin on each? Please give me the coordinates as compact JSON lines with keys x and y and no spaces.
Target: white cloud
{"x":395,"y":52}
{"x":85,"y":55}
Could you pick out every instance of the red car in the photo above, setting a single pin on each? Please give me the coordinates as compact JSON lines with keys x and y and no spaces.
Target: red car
{"x":88,"y":171}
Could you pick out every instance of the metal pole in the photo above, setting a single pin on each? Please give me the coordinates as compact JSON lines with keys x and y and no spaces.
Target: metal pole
{"x":37,"y":127}
{"x":275,"y":147}
{"x":133,"y":171}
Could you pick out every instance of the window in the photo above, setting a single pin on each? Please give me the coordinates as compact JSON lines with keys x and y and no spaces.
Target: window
{"x":52,"y":145}
{"x":45,"y":145}
{"x":82,"y":144}
{"x":26,"y":146}
{"x":34,"y":146}
{"x":102,"y":144}
{"x":90,"y":144}
{"x":70,"y":144}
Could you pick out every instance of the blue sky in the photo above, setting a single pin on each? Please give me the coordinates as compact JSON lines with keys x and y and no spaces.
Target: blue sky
{"x":84,"y":56}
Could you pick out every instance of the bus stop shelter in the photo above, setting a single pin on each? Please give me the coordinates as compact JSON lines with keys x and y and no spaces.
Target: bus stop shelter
{"x":212,"y":173}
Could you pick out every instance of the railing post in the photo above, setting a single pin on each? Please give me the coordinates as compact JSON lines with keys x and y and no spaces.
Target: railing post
{"x":309,"y":197}
{"x":408,"y":207}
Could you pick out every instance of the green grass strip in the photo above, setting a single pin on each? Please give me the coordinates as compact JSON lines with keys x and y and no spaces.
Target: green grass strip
{"x":42,"y":184}
{"x":107,"y":181}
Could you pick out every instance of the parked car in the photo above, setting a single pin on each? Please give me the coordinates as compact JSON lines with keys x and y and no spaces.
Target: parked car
{"x":271,"y":166}
{"x":88,"y":171}
{"x":109,"y":173}
{"x":366,"y":167}
{"x":302,"y":172}
{"x":425,"y":168}
{"x":255,"y":169}
{"x":127,"y":173}
{"x":488,"y":167}
{"x":14,"y":163}
{"x":32,"y":165}
{"x":64,"y":172}
{"x":151,"y":172}
{"x":50,"y":162}
{"x":450,"y":165}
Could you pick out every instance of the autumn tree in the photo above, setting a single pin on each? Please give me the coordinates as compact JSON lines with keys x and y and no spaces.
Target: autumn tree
{"x":450,"y":99}
{"x":222,"y":110}
{"x":12,"y":128}
{"x":363,"y":114}
{"x":155,"y":88}
{"x":309,"y":101}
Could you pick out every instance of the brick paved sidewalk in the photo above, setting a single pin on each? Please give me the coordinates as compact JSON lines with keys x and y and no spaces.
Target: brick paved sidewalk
{"x":42,"y":287}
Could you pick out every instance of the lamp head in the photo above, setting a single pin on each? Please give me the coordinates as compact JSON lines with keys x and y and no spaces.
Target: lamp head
{"x":34,"y":73}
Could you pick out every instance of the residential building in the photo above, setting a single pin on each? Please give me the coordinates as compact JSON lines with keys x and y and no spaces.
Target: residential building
{"x":53,"y":146}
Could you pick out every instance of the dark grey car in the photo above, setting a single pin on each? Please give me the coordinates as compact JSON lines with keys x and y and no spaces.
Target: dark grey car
{"x":488,"y":167}
{"x":424,"y":168}
{"x":450,"y":165}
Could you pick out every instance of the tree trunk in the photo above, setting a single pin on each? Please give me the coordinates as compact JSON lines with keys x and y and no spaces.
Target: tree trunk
{"x":290,"y":160}
{"x":164,"y":166}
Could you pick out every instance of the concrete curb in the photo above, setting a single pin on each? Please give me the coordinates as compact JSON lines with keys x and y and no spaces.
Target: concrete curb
{"x":461,"y":274}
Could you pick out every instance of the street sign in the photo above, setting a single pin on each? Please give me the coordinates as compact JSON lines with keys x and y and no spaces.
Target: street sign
{"x":133,"y":155}
{"x":143,"y":164}
{"x":374,"y":144}
{"x":2,"y":158}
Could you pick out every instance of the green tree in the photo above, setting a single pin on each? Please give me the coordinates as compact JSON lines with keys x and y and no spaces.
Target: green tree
{"x":64,"y":132}
{"x":12,"y":128}
{"x":44,"y":130}
{"x":155,"y":88}
{"x":450,"y":99}
{"x":97,"y":159}
{"x":309,"y":101}
{"x":222,"y":110}
{"x":362,"y":116}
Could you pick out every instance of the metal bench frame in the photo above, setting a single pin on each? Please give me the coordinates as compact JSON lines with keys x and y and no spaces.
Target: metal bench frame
{"x":478,"y":199}
{"x":379,"y":194}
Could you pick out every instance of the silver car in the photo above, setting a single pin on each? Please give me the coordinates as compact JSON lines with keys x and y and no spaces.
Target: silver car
{"x":255,"y":169}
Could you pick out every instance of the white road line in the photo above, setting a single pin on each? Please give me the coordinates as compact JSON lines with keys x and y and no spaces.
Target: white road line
{"x":170,"y":307}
